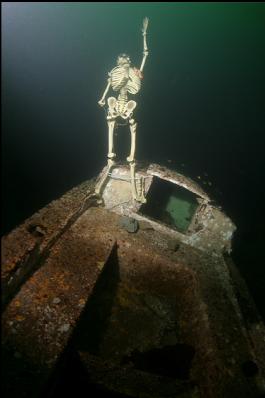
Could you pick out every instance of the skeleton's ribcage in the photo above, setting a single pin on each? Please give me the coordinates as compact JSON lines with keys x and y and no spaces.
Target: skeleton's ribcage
{"x":126,"y":78}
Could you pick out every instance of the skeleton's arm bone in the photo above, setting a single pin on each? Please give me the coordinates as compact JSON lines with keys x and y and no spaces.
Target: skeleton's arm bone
{"x":145,"y":52}
{"x":102,"y":101}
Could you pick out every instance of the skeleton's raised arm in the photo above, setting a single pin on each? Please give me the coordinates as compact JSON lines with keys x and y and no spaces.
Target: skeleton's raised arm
{"x":145,"y":52}
{"x":101,"y":102}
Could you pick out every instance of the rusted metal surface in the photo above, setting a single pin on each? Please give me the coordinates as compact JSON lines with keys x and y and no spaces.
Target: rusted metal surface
{"x":250,"y":317}
{"x":38,"y":322}
{"x":206,"y":305}
{"x":25,"y":247}
{"x":114,"y":296}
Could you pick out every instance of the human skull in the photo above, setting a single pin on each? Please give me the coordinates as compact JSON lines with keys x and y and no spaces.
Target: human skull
{"x":123,"y":60}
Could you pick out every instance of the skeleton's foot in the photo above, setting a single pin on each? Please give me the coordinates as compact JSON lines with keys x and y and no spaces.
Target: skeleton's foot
{"x":141,"y":199}
{"x":138,"y":198}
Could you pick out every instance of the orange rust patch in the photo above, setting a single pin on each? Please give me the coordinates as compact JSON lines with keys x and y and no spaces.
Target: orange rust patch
{"x":81,"y":301}
{"x":19,"y":318}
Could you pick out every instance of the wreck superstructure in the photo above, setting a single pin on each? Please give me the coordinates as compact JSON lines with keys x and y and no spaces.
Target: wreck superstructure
{"x":142,"y":298}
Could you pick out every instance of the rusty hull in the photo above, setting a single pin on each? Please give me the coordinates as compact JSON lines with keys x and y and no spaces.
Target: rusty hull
{"x":88,"y":286}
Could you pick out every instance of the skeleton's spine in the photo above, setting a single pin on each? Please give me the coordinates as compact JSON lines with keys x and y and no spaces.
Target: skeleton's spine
{"x":122,"y":101}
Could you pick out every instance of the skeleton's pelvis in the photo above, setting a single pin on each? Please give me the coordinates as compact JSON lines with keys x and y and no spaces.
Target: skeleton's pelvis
{"x":120,"y":108}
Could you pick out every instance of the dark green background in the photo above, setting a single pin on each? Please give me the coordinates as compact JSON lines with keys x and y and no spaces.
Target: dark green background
{"x":201,"y":104}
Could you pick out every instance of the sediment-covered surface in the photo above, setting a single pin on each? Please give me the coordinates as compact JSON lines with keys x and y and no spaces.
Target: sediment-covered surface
{"x":122,"y":314}
{"x":25,"y":248}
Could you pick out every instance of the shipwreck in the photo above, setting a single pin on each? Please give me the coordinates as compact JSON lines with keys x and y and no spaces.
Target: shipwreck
{"x":119,"y":298}
{"x":124,"y":286}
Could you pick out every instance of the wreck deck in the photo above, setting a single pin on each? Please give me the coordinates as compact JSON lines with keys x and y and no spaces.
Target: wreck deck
{"x":139,"y":314}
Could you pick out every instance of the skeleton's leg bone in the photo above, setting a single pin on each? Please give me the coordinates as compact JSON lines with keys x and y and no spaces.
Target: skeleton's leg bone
{"x":111,"y":125}
{"x":133,"y":126}
{"x":100,"y":184}
{"x":135,"y":195}
{"x":141,"y":197}
{"x":112,"y":114}
{"x":133,"y":182}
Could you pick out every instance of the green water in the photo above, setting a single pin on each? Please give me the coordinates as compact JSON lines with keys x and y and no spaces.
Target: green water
{"x":181,"y":211}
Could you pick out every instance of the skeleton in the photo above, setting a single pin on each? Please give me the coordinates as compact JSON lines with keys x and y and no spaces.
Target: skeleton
{"x":125,"y":79}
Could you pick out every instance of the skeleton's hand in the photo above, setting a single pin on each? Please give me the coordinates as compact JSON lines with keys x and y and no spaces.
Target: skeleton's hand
{"x":145,"y":25}
{"x":101,"y":102}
